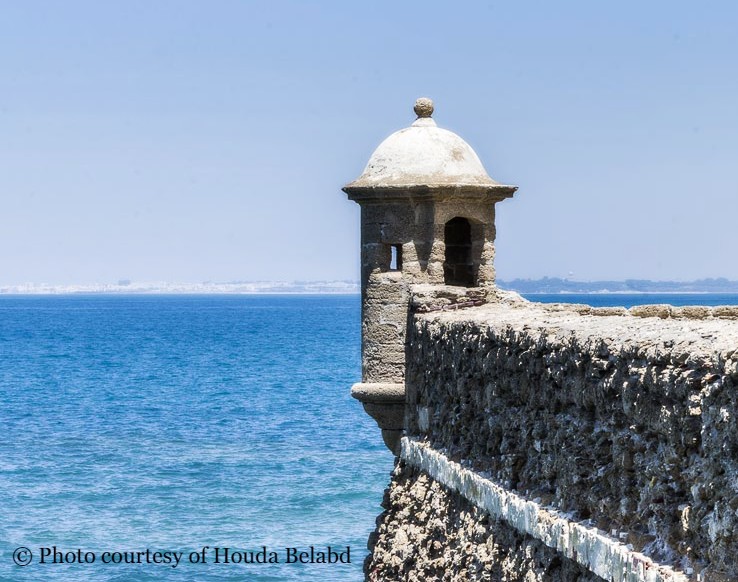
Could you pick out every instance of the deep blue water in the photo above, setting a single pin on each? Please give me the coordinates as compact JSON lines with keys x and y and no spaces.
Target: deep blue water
{"x":171,"y":423}
{"x":630,"y":299}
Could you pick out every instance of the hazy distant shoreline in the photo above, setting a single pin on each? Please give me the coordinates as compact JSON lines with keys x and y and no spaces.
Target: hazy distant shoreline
{"x":544,"y":286}
{"x":632,"y":286}
{"x":207,"y":288}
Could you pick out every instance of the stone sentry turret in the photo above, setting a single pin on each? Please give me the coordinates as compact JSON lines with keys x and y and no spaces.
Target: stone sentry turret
{"x":427,"y":218}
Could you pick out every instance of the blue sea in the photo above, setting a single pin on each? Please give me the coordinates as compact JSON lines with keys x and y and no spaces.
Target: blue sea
{"x":182,"y":424}
{"x":171,"y":423}
{"x":631,"y":299}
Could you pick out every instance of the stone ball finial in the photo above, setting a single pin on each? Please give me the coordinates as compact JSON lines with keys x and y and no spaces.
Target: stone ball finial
{"x":423,"y":107}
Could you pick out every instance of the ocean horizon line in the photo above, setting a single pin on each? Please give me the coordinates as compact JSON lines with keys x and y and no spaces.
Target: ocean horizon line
{"x":531,"y":287}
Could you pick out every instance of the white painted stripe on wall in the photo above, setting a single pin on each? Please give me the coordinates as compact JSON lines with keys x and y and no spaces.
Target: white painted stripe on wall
{"x":605,"y":557}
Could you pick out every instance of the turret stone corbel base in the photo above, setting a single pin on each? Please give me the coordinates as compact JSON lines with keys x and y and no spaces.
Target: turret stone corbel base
{"x":385,"y":403}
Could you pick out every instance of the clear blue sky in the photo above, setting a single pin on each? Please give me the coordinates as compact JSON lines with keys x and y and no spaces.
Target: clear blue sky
{"x":191,"y":141}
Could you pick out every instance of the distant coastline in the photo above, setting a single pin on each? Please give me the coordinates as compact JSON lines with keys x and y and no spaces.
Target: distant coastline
{"x":546,"y":285}
{"x":557,"y":285}
{"x":206,"y":288}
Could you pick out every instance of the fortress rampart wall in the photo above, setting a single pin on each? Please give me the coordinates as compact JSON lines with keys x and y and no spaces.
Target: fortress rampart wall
{"x":565,"y":443}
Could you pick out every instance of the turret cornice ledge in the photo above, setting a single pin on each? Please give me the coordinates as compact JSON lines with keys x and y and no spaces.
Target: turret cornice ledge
{"x":386,"y":193}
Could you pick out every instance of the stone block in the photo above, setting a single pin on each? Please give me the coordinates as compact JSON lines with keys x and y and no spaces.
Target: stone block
{"x":692,"y":312}
{"x":386,"y":289}
{"x":377,"y":313}
{"x":486,"y":274}
{"x":379,"y":370}
{"x":413,"y":270}
{"x":473,"y":210}
{"x":661,"y":311}
{"x":727,"y":311}
{"x":401,"y":215}
{"x":488,"y":252}
{"x":607,"y":311}
{"x":376,"y":333}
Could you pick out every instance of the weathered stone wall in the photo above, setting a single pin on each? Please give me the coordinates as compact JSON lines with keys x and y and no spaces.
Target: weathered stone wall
{"x":429,"y":533}
{"x":415,"y":225}
{"x":626,"y":422}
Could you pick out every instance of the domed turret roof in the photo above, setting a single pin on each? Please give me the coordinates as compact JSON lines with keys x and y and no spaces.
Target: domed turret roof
{"x":424,"y":156}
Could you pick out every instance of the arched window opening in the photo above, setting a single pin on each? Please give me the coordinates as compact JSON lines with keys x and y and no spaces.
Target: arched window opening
{"x":458,"y":268}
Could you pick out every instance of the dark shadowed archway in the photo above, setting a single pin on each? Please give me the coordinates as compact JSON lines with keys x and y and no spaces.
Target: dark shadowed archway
{"x":458,"y":268}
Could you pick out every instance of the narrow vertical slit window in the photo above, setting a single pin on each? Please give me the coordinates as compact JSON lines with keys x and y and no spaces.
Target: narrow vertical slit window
{"x":395,"y":258}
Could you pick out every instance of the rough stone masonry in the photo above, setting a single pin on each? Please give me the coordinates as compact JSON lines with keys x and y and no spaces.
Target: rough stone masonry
{"x":533,"y":443}
{"x":622,"y":425}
